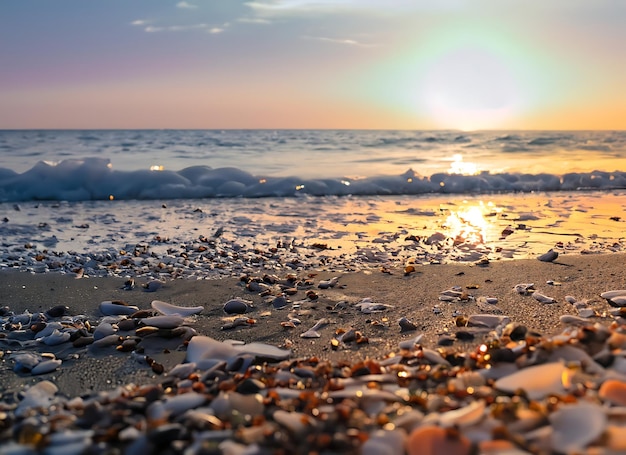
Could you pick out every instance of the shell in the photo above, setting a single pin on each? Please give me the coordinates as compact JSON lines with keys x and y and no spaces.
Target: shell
{"x":536,"y":381}
{"x":612,"y":294}
{"x":170,"y":309}
{"x":548,"y":256}
{"x":543,"y":298}
{"x":116,"y":308}
{"x":164,"y":321}
{"x":46,"y":366}
{"x":575,"y":426}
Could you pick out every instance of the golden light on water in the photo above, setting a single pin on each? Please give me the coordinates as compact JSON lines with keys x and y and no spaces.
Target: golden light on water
{"x":470,"y":224}
{"x":458,"y":166}
{"x":157,"y":167}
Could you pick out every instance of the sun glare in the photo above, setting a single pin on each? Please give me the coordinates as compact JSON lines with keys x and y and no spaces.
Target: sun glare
{"x":470,"y":224}
{"x":458,"y":166}
{"x":470,"y":88}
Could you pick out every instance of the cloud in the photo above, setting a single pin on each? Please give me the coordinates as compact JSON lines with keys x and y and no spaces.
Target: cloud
{"x":139,"y":22}
{"x":186,"y":5}
{"x":296,"y":7}
{"x":253,"y":20}
{"x":175,"y":28}
{"x":343,"y":41}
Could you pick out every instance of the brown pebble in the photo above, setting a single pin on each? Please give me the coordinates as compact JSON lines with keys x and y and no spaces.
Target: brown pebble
{"x":432,"y":440}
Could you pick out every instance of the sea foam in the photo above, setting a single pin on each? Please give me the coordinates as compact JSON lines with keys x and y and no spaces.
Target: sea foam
{"x":94,"y":179}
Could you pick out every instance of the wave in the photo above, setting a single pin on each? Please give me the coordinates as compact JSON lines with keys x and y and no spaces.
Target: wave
{"x":95,"y":179}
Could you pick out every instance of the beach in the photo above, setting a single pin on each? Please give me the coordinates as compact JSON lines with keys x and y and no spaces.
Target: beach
{"x":414,"y":294}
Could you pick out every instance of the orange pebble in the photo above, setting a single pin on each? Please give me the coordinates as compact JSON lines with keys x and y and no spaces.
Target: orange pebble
{"x":613,"y":391}
{"x":432,"y":440}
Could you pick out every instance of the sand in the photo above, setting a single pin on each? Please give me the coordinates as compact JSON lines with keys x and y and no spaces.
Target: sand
{"x":413,"y":296}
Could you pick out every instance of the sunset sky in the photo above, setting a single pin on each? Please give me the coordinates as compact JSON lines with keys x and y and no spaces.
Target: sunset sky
{"x":382,"y":64}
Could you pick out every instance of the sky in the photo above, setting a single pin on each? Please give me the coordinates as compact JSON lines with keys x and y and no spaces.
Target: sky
{"x":342,"y":64}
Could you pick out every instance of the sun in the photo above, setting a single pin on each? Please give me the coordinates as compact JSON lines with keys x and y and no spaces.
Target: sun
{"x":470,"y":88}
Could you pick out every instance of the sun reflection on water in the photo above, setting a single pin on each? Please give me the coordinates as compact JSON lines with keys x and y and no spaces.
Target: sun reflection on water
{"x":458,"y":166}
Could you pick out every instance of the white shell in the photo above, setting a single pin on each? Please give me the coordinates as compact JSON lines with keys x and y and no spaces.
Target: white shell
{"x":56,"y":337}
{"x":170,"y":309}
{"x":469,"y":415}
{"x":46,"y":366}
{"x":537,"y":381}
{"x":609,"y":295}
{"x":110,"y":308}
{"x":575,"y":426}
{"x":543,"y":298}
{"x":170,"y":321}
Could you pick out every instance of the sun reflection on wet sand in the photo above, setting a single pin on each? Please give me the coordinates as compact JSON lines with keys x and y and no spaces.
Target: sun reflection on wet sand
{"x":471,"y":223}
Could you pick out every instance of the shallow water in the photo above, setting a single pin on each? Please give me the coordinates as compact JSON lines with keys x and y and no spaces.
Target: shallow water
{"x":331,"y":232}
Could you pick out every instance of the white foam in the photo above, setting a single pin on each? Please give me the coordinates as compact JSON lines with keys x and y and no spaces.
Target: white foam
{"x":94,"y":179}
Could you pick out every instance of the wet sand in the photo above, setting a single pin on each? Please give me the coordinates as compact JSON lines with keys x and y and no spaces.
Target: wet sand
{"x":414,"y":296}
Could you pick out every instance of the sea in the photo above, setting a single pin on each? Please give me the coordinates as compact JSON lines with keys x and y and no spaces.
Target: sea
{"x":342,"y":199}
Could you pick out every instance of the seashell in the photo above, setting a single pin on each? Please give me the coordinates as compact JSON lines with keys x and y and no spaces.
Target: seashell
{"x":488,"y":300}
{"x":487,"y":320}
{"x":180,"y":403}
{"x":549,"y":256}
{"x":296,"y":422}
{"x":39,"y":395}
{"x":542,"y":298}
{"x":238,"y":322}
{"x":25,"y":361}
{"x":313,"y":331}
{"x":384,"y":442}
{"x":129,"y":284}
{"x":116,"y":308}
{"x":203,"y":347}
{"x":46,"y":366}
{"x":164,"y":322}
{"x":536,"y":381}
{"x":575,"y":426}
{"x":182,"y":370}
{"x":152,"y":286}
{"x":367,"y":306}
{"x":524,"y":288}
{"x":463,"y":417}
{"x":612,"y":294}
{"x":573,"y":320}
{"x":410,"y":344}
{"x":50,"y":327}
{"x":109,"y":340}
{"x":406,"y":325}
{"x":434,"y":357}
{"x":104,"y":329}
{"x":433,"y":440}
{"x":618,"y":301}
{"x":169,"y":309}
{"x":325,"y":284}
{"x":55,"y":338}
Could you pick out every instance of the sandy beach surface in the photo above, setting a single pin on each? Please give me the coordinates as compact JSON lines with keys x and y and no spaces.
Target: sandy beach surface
{"x":415,"y":294}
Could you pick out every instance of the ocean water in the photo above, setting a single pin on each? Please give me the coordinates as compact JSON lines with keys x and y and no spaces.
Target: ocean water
{"x":339,"y":200}
{"x":166,"y":164}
